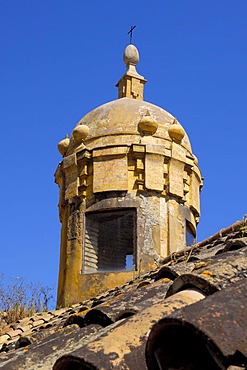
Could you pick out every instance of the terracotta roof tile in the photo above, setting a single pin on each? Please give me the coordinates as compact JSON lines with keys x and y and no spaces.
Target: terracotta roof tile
{"x":131,"y":337}
{"x":219,"y":322}
{"x":4,"y":338}
{"x":38,"y":322}
{"x":24,"y":328}
{"x":13,"y":333}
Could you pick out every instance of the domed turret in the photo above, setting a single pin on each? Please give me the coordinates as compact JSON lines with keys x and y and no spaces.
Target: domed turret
{"x":129,"y":191}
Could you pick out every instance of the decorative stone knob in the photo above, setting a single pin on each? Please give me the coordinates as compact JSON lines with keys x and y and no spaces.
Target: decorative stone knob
{"x":63,"y":146}
{"x":147,"y":124}
{"x":131,"y":55}
{"x":176,"y":131}
{"x":80,"y":132}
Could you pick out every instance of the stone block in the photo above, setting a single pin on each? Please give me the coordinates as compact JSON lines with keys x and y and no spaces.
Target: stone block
{"x":138,"y":148}
{"x":110,"y":173}
{"x":69,"y":161}
{"x":155,"y":149}
{"x":110,"y":151}
{"x":139,"y":164}
{"x":178,"y":152}
{"x":72,"y":189}
{"x":190,"y":161}
{"x":154,"y":175}
{"x":176,"y":184}
{"x":194,"y":193}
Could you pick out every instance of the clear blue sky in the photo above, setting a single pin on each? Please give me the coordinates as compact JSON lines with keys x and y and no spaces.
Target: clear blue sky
{"x":60,"y":59}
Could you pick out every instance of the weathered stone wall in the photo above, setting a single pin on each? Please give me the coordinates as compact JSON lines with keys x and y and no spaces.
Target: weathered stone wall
{"x":161,"y":183}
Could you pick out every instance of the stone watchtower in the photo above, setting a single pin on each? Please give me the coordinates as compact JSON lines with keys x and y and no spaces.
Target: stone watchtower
{"x":129,"y":191}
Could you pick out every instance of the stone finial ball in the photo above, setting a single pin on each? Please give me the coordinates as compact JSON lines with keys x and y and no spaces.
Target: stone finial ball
{"x":147,"y":124}
{"x":176,"y":132}
{"x":63,"y":146}
{"x":131,"y":55}
{"x":80,"y":132}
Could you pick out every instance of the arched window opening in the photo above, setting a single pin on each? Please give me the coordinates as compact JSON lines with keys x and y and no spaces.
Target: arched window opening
{"x":190,"y":235}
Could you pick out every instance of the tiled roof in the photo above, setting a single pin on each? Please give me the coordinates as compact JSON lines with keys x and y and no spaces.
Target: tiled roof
{"x":192,"y":307}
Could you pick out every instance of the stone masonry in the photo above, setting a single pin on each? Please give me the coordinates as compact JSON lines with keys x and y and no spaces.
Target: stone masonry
{"x":129,"y":191}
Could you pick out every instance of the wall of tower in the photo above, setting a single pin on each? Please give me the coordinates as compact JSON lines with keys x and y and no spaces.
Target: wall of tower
{"x":160,"y":185}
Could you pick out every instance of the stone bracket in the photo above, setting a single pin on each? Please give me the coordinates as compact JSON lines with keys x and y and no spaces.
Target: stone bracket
{"x":83,"y":161}
{"x":139,"y":156}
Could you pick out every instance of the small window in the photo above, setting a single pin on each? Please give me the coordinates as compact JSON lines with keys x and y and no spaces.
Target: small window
{"x":109,"y":241}
{"x":190,"y":235}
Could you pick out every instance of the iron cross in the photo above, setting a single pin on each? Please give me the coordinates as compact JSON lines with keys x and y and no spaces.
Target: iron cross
{"x":130,"y":33}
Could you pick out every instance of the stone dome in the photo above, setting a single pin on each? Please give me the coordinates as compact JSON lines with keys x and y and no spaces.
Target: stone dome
{"x":117,"y":122}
